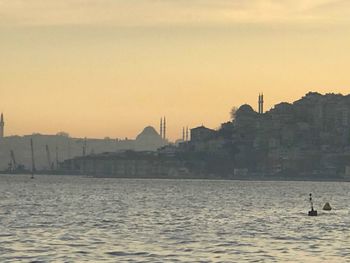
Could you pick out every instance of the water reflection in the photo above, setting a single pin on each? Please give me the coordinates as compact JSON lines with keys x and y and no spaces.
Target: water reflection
{"x":55,"y":218}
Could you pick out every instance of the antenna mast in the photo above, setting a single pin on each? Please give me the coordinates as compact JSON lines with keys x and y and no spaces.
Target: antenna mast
{"x":56,"y":157}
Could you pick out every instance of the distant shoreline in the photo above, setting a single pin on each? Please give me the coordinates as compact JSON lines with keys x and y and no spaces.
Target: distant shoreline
{"x":256,"y":179}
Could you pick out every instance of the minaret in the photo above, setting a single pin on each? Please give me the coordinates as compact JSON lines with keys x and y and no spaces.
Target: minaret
{"x":161,"y":127}
{"x":183,"y":134}
{"x":164,"y":129}
{"x":2,"y":126}
{"x":187,"y":134}
{"x":261,"y":103}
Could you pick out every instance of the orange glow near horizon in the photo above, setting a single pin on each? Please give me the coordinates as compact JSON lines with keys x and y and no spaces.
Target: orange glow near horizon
{"x":93,"y":71}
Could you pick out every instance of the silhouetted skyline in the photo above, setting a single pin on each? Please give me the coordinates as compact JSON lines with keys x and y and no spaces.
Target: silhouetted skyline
{"x":93,"y":71}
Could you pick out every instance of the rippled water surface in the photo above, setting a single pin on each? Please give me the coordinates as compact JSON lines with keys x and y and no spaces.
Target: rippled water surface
{"x":77,"y":219}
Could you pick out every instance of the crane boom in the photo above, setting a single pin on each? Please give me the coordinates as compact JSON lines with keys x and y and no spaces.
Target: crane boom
{"x":14,"y":167}
{"x":56,"y":157}
{"x":33,"y":160}
{"x":48,"y":157}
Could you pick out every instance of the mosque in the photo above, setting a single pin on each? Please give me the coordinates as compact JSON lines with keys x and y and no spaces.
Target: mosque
{"x":15,"y":149}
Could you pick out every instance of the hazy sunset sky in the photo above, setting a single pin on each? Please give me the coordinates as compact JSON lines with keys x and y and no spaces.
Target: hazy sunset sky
{"x":99,"y":68}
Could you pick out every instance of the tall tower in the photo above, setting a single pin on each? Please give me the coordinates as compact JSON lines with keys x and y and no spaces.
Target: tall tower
{"x":187,"y":134}
{"x":164,"y":129}
{"x":261,"y":103}
{"x":183,"y":134}
{"x":2,"y":126}
{"x":161,"y":128}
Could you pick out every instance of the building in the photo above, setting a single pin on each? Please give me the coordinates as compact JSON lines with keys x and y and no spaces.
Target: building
{"x":126,"y":164}
{"x":201,"y":133}
{"x":149,"y":140}
{"x":309,"y":138}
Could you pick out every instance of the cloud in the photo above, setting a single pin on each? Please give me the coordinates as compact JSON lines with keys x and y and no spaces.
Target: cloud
{"x":336,"y":9}
{"x":169,"y":12}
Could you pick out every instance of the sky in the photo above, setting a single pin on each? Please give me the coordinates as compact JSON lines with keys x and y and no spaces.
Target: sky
{"x":98,"y":68}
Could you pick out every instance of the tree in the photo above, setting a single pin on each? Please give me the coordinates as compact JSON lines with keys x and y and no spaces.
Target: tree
{"x":233,"y":112}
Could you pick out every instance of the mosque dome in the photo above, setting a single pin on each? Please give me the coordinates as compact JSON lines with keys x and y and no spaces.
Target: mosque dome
{"x":245,"y":116}
{"x":245,"y":109}
{"x":148,"y":133}
{"x":149,"y":140}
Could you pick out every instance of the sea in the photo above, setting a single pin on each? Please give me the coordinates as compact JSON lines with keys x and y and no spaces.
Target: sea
{"x":83,"y":219}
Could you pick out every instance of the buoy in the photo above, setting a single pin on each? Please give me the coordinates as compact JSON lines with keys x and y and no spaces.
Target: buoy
{"x":312,"y":212}
{"x":327,"y":207}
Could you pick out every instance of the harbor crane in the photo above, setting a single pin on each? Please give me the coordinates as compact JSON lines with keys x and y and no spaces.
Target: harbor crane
{"x":13,"y":161}
{"x":48,"y":155}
